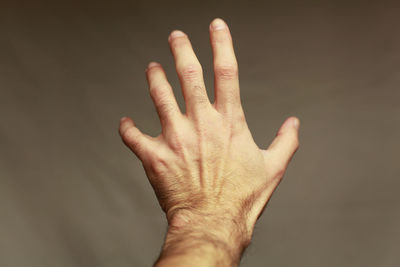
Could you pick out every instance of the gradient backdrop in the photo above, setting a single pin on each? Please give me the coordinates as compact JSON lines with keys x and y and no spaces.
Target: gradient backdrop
{"x":71,"y":194}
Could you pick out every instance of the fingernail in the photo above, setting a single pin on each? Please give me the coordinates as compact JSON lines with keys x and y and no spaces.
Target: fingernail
{"x":122,"y":119}
{"x":296,"y":123}
{"x":152,"y":64}
{"x":176,"y":33}
{"x":218,"y":24}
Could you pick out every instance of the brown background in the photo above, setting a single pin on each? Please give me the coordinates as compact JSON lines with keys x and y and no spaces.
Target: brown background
{"x":72,"y":195}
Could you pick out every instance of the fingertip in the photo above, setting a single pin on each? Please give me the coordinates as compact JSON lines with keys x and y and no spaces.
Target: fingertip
{"x":176,"y":34}
{"x":295,"y":122}
{"x":218,"y":24}
{"x":124,"y":124}
{"x":122,"y":119}
{"x":152,"y":64}
{"x":290,"y":123}
{"x":296,"y":125}
{"x":126,"y":120}
{"x":287,"y":125}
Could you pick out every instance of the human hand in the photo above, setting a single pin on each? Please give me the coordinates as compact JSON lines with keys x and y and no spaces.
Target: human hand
{"x":207,"y":172}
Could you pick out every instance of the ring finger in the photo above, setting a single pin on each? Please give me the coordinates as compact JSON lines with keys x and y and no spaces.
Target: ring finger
{"x":190,"y":73}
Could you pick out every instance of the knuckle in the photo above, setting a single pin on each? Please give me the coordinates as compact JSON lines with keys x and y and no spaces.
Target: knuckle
{"x":131,"y":137}
{"x":226,"y":72}
{"x":127,"y":135}
{"x":165,"y":107}
{"x":158,"y":162}
{"x":162,"y":99}
{"x":190,"y":72}
{"x":175,"y":142}
{"x":159,"y":92}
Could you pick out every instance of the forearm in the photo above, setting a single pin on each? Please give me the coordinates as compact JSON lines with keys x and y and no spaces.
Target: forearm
{"x":204,"y":241}
{"x":197,"y":249}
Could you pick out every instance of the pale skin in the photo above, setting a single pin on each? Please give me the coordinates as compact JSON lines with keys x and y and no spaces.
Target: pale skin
{"x":210,"y":178}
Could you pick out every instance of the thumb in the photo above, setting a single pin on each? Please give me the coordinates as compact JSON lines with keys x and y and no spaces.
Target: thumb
{"x":286,"y":142}
{"x":137,"y":141}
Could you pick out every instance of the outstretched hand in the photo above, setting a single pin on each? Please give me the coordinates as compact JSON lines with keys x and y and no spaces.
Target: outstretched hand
{"x":210,"y":177}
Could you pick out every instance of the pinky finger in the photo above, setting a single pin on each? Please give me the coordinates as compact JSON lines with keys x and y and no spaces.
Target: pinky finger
{"x":134,"y":139}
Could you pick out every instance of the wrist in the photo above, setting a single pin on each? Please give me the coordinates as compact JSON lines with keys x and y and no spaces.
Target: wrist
{"x":203,"y":234}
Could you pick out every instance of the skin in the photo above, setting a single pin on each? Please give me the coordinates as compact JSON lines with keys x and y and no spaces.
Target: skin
{"x":210,"y":178}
